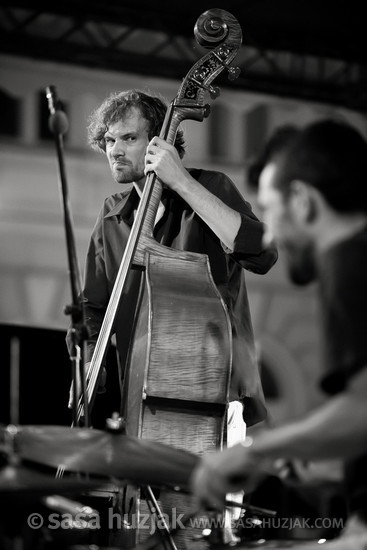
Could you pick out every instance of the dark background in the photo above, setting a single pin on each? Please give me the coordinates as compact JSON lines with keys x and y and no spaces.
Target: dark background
{"x":44,"y":378}
{"x":287,"y":45}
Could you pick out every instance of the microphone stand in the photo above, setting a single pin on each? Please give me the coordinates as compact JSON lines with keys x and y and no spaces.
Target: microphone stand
{"x":58,"y":124}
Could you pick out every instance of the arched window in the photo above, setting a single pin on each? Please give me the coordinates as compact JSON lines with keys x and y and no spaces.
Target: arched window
{"x":10,"y":115}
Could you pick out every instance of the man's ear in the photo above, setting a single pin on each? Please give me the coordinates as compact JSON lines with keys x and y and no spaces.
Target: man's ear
{"x":304,"y":200}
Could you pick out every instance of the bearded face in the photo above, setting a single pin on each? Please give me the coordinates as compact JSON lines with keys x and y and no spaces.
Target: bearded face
{"x":285,"y":226}
{"x":300,"y":261}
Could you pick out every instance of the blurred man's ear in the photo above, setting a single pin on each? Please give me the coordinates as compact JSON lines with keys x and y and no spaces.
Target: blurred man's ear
{"x":303,"y":200}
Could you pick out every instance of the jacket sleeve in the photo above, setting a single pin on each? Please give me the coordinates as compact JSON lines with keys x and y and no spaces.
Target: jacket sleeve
{"x":248,"y":250}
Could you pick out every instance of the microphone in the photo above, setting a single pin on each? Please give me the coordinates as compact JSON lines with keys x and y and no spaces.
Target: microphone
{"x":58,"y":122}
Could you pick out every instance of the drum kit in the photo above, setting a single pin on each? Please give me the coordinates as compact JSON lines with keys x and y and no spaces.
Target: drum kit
{"x":42,"y":465}
{"x":44,"y":468}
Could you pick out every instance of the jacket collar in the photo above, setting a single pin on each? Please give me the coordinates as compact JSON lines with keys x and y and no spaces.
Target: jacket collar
{"x":124,"y":209}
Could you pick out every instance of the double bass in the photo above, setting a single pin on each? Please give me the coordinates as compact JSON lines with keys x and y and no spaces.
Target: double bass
{"x":178,"y":369}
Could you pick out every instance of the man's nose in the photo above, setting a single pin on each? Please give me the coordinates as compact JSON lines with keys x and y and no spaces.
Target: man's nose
{"x":118,"y":148}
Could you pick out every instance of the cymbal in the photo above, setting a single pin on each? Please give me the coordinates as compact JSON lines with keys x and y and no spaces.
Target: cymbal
{"x":21,"y":480}
{"x":105,"y":454}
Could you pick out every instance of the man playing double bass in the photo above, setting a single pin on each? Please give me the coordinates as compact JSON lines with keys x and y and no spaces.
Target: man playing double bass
{"x":200,"y":211}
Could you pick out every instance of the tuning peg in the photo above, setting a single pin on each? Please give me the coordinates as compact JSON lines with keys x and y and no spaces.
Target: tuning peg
{"x":214,"y":91}
{"x":233,"y":73}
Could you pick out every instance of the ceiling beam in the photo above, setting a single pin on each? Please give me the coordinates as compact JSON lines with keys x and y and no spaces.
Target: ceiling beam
{"x":116,"y":36}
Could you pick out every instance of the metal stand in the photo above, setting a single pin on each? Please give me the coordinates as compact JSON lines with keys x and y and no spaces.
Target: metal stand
{"x":166,"y":535}
{"x":58,"y":125}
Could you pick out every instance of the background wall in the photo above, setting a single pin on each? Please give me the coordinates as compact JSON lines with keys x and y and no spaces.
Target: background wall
{"x":34,"y":278}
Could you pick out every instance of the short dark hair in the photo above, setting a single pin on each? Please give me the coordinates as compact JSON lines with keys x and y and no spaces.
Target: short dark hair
{"x":330,"y":155}
{"x":114,"y":107}
{"x":278,"y":141}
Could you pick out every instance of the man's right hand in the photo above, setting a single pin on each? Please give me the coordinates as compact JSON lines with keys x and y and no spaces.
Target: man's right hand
{"x":223,"y":472}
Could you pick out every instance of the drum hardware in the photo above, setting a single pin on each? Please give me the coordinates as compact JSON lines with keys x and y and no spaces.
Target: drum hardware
{"x":22,"y":477}
{"x":212,"y":536}
{"x":79,"y":513}
{"x":253,"y":509}
{"x":104,"y":454}
{"x":97,"y":453}
{"x":157,"y":514}
{"x":29,"y":495}
{"x":108,"y":454}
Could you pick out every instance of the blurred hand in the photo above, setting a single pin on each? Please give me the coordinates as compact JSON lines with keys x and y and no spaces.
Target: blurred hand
{"x":223,"y":472}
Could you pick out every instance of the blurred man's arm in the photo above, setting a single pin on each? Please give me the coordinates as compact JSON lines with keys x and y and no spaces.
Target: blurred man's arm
{"x":337,"y":429}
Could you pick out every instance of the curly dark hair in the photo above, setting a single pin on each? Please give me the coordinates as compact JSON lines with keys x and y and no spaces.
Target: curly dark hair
{"x":114,"y":107}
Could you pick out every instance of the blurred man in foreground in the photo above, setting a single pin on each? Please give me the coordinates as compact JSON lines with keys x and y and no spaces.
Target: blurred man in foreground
{"x":312,"y":188}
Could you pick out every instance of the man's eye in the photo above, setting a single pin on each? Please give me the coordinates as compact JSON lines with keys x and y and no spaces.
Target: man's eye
{"x":108,"y":140}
